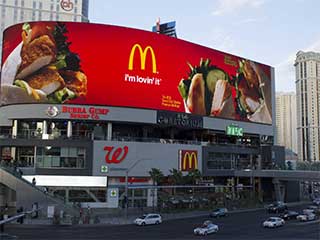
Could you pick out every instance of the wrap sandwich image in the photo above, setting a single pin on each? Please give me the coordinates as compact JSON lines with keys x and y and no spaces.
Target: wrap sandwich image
{"x":252,"y":96}
{"x":207,"y":91}
{"x":42,"y":68}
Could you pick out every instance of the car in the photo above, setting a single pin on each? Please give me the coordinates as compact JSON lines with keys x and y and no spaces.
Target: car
{"x":316,"y":201}
{"x":277,"y":207}
{"x":287,"y":215}
{"x":206,"y":228}
{"x":307,"y":211}
{"x":219,"y":212}
{"x":146,"y":219}
{"x":313,"y":208}
{"x":273,"y":222}
{"x":306,"y":217}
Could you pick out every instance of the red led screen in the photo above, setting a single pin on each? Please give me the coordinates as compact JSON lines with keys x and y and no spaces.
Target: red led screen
{"x":83,"y":63}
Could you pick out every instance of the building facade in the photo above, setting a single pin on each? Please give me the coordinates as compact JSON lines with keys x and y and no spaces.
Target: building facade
{"x":307,"y":67}
{"x":286,"y":120}
{"x":107,"y":131}
{"x":17,"y":11}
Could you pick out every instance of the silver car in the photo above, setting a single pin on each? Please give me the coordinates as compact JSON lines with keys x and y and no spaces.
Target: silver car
{"x":307,"y":217}
{"x":273,"y":222}
{"x":206,"y":228}
{"x":146,"y":219}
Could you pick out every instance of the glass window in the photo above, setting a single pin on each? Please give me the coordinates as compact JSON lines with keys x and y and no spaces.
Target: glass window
{"x":56,"y":157}
{"x":25,"y":156}
{"x":80,"y":196}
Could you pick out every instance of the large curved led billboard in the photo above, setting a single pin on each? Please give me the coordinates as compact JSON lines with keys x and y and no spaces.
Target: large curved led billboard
{"x":94,"y":64}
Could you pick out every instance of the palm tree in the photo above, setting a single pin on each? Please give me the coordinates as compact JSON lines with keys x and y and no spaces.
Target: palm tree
{"x":193,"y":176}
{"x":156,"y":175}
{"x":176,"y":178}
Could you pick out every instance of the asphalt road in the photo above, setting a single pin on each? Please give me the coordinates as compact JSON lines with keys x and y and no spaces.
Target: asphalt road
{"x":235,"y":226}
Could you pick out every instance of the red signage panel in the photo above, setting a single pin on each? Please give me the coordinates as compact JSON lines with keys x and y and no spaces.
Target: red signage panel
{"x":94,"y":64}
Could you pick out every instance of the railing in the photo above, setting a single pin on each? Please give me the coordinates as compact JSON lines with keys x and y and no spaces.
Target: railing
{"x":36,"y":134}
{"x":155,"y":140}
{"x":87,"y":134}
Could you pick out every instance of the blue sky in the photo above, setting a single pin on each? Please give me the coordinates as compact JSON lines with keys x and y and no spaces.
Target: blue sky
{"x":267,"y":31}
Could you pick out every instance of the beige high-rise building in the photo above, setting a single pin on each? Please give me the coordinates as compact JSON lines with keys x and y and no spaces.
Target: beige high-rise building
{"x":286,"y":120}
{"x":17,"y":11}
{"x":307,"y":66}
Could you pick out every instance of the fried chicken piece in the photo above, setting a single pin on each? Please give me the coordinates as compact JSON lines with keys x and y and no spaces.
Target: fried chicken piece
{"x":47,"y":79}
{"x":76,"y":81}
{"x":251,"y":75}
{"x":35,"y":55}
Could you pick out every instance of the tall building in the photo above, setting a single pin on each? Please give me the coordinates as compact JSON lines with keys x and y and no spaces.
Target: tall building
{"x":16,"y":11}
{"x":168,"y":28}
{"x":286,"y":120}
{"x":307,"y":66}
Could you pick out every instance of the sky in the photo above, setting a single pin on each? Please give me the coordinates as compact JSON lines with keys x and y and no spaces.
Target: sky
{"x":266,"y":31}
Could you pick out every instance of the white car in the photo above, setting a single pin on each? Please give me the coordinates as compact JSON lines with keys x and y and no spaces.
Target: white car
{"x":273,"y":222}
{"x":306,"y":217}
{"x":146,"y":219}
{"x":206,"y":228}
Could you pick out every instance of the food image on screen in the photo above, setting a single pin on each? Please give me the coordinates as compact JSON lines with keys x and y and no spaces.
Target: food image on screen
{"x":250,"y":84}
{"x":42,"y":68}
{"x":209,"y":90}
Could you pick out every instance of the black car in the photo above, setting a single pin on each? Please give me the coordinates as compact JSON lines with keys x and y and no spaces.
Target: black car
{"x":287,"y":215}
{"x":277,"y":207}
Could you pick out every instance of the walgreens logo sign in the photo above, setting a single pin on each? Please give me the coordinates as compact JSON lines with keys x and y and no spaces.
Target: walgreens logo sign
{"x":115,"y":155}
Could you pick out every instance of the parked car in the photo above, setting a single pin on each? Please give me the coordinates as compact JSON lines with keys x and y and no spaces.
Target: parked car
{"x":277,"y":207}
{"x":206,"y":228}
{"x":273,"y":222}
{"x":150,"y":218}
{"x":306,"y":217}
{"x":219,"y":212}
{"x":287,"y":215}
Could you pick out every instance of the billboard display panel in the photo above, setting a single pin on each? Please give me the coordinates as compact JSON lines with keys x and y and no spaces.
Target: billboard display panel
{"x":94,"y":64}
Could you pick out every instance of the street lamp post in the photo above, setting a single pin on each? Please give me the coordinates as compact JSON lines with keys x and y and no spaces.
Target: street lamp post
{"x":126,"y":179}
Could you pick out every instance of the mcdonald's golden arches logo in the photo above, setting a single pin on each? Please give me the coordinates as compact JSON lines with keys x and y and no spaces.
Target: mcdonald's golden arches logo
{"x":143,"y":57}
{"x":188,"y":160}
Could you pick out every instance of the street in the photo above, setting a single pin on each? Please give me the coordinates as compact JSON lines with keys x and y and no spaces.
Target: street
{"x":235,"y":226}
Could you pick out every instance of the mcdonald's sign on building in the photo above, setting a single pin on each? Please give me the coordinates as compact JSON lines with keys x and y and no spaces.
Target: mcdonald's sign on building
{"x":188,"y":160}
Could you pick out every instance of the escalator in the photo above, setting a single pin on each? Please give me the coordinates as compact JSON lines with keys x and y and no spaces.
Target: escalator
{"x":26,"y":194}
